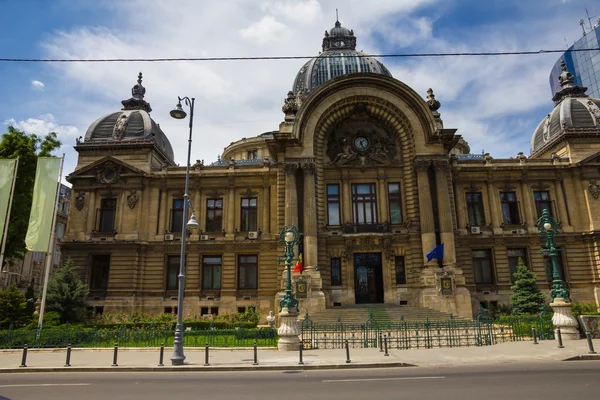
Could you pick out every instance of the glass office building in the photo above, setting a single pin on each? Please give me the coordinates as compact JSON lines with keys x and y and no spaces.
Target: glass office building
{"x":584,"y":65}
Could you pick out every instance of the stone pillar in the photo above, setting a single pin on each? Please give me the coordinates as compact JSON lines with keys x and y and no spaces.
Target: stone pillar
{"x":461,"y":207}
{"x":563,"y":318}
{"x":495,"y":210}
{"x":162,"y":212}
{"x":230,"y":230}
{"x":288,"y":331}
{"x":382,"y":203}
{"x":91,"y":218}
{"x":562,"y":207}
{"x":442,"y":168}
{"x":425,"y":209}
{"x":527,"y":203}
{"x":266,"y":226}
{"x":346,"y":197}
{"x":291,"y":194}
{"x":310,"y":217}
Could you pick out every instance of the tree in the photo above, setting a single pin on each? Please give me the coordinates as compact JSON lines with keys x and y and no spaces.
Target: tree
{"x":66,"y":294}
{"x":526,"y":298}
{"x":13,"y":308}
{"x":28,"y":148}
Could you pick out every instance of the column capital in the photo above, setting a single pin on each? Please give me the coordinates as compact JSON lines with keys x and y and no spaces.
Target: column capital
{"x":441,"y":165}
{"x":308,"y":167}
{"x":290,"y":168}
{"x":422,"y":165}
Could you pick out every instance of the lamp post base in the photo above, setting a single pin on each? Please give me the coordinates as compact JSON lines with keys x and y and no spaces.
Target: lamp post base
{"x":288,"y":331}
{"x":563,"y":318}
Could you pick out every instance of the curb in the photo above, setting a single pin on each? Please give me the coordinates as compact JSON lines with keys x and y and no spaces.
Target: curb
{"x":584,"y":357}
{"x":193,"y":368}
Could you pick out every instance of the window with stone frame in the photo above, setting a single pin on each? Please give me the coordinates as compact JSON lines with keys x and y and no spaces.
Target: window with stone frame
{"x":214,"y":215}
{"x":400,"y":268}
{"x":510,"y":208}
{"x":395,"y":203}
{"x":333,"y":205}
{"x":248,"y":272}
{"x":483,"y":271}
{"x":172,"y":272}
{"x":248,"y":221}
{"x":542,"y":201}
{"x":211,"y":272}
{"x":475,"y":208}
{"x":513,"y":260}
{"x":177,"y":216}
{"x":100,"y":270}
{"x":106,"y":215}
{"x":336,"y":271}
{"x":364,"y":203}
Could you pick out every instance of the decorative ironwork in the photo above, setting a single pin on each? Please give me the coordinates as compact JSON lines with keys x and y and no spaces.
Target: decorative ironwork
{"x":548,"y":227}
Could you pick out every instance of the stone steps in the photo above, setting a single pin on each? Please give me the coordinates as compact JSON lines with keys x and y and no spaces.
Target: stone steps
{"x":381,"y":313}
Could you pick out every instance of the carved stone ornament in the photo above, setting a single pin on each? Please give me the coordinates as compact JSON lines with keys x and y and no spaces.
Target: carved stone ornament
{"x":308,"y":168}
{"x":120,"y":126}
{"x":292,"y":104}
{"x":360,"y":141}
{"x":80,"y":201}
{"x":473,"y":188}
{"x":290,"y":168}
{"x":214,"y":194}
{"x":132,"y":199}
{"x":594,"y":110}
{"x":422,"y":165}
{"x":108,"y":173}
{"x":442,"y":165}
{"x":594,"y":189}
{"x":248,"y":193}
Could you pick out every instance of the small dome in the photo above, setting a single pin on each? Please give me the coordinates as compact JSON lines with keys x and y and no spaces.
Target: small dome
{"x":339,"y":57}
{"x":132,"y":124}
{"x":574,"y":111}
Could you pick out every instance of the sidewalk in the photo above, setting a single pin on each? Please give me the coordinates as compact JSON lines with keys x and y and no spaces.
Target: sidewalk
{"x":146,"y":359}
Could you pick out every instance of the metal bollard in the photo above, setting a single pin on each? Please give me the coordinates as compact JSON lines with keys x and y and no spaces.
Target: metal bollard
{"x":588,"y":335}
{"x":559,"y":337}
{"x":161,"y":355}
{"x":534,"y":335}
{"x":255,"y":355}
{"x":300,"y":348}
{"x":68,"y":360}
{"x":206,"y":364}
{"x":24,"y":359}
{"x":347,"y":353}
{"x":385,"y":344}
{"x":115,"y":353}
{"x":380,"y":343}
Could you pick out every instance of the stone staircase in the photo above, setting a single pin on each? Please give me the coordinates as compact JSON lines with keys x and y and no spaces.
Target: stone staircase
{"x":381,"y":313}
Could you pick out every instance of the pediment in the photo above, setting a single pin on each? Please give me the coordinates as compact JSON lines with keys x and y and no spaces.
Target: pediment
{"x":592,"y":159}
{"x":106,"y":171}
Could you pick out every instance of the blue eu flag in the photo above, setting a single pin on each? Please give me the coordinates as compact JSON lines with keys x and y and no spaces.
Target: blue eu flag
{"x":437,"y":252}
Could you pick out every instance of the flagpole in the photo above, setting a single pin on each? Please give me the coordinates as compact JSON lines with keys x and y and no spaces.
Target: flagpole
{"x":50,"y":249}
{"x":12,"y":193}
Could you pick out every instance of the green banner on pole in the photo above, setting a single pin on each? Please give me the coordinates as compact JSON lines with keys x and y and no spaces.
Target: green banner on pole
{"x":42,"y":206}
{"x":7,"y":173}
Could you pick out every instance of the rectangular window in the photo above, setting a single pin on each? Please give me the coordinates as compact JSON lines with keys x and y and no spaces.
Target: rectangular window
{"x":211,"y":273}
{"x":482,"y":266}
{"x":249,"y":215}
{"x":333,"y":205}
{"x":400,"y":270}
{"x":56,"y":256}
{"x":248,"y":272}
{"x":60,"y":230}
{"x":173,"y":272}
{"x":513,"y":260}
{"x":99,"y":273}
{"x":214,"y":215}
{"x":252,"y":154}
{"x":177,"y":215}
{"x":336,"y":272}
{"x":475,"y":209}
{"x":510,"y":208}
{"x":364,"y":204}
{"x":542,"y":201}
{"x":108,"y":208}
{"x":394,"y":203}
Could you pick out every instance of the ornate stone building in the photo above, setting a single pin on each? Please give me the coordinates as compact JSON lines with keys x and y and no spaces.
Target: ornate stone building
{"x":365,"y":168}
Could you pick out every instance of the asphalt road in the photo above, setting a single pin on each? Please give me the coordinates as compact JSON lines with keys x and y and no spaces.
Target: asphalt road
{"x":580,"y":379}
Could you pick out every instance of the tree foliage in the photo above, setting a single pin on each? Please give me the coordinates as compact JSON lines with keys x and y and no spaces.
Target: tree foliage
{"x":13,"y":308}
{"x":526,"y":298}
{"x":66,"y":294}
{"x":28,"y":148}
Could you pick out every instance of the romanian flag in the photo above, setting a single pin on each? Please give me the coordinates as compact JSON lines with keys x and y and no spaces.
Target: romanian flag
{"x":298,"y":267}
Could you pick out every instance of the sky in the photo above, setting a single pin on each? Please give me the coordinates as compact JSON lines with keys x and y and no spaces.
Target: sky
{"x":494,"y":102}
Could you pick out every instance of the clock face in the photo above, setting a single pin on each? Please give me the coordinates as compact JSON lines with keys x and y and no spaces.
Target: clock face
{"x":339,"y":43}
{"x":361,"y":142}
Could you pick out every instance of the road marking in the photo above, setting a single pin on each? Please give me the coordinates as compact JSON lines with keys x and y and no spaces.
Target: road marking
{"x":45,"y":385}
{"x":383,"y":379}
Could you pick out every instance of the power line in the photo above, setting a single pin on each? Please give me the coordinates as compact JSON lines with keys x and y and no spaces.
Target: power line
{"x":165,"y":59}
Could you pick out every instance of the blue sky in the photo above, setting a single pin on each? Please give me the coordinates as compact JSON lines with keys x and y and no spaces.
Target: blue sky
{"x":494,"y":102}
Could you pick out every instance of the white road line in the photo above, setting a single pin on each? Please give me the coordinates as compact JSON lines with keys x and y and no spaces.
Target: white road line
{"x":45,"y":385}
{"x":383,"y":379}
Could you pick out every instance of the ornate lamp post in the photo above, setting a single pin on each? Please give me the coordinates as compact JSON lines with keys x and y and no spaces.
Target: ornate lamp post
{"x":559,"y":295}
{"x":178,"y":357}
{"x":288,"y":312}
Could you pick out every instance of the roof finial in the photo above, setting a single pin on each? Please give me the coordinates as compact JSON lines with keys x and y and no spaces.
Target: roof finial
{"x":137,"y":102}
{"x":337,"y":18}
{"x":433,"y":104}
{"x":140,"y":78}
{"x":567,"y":84}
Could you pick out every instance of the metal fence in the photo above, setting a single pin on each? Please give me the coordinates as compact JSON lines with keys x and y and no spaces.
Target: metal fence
{"x":136,"y":337}
{"x":425,"y":334}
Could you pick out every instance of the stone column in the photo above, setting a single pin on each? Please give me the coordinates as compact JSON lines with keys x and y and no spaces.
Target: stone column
{"x":230,"y":213}
{"x":310,"y":217}
{"x":461,"y":207}
{"x":162,"y":212}
{"x":346,"y":198}
{"x":527,"y":203}
{"x":91,"y":218}
{"x":562,"y":207}
{"x":425,"y":209}
{"x":291,"y":194}
{"x":382,"y":203}
{"x":495,"y":211}
{"x":442,"y":169}
{"x":266,"y":226}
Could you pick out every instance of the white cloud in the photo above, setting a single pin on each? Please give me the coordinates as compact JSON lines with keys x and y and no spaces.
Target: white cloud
{"x":43,"y":125}
{"x":38,"y":85}
{"x":268,"y":29}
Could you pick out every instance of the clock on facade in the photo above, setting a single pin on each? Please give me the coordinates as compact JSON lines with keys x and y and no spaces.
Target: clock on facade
{"x":361,"y":143}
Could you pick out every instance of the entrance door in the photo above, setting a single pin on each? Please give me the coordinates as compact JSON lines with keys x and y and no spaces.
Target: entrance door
{"x":368,"y":279}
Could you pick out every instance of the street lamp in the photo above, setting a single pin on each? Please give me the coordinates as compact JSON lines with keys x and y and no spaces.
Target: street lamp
{"x":288,"y":311}
{"x":178,"y":113}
